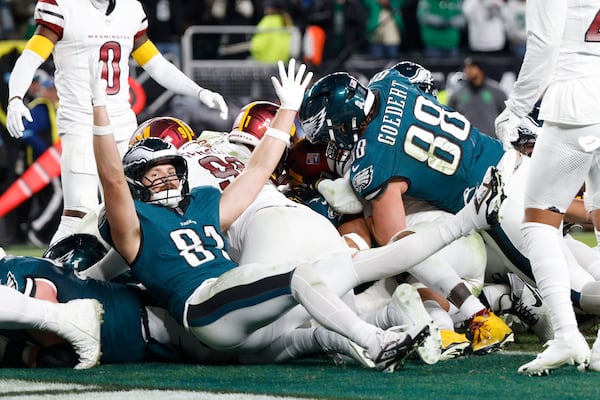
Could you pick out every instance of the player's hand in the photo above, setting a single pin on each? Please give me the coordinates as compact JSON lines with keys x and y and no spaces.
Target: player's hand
{"x":15,"y":112}
{"x":339,"y":195}
{"x":97,"y":84}
{"x":292,"y":86}
{"x":506,"y":127}
{"x":215,"y":101}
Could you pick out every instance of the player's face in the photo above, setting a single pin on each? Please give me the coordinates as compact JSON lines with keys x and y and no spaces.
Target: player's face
{"x":161,"y":177}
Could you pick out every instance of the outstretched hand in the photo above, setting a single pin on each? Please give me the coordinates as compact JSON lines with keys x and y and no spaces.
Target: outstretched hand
{"x":97,"y":84}
{"x":292,"y":86}
{"x":215,"y":101}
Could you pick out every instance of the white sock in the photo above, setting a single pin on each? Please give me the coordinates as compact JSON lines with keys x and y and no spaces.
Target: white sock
{"x":439,"y":315}
{"x":401,"y":255}
{"x":496,"y":295}
{"x":549,"y":266}
{"x":67,"y":227}
{"x":288,"y":346}
{"x":329,"y":310}
{"x":18,"y":311}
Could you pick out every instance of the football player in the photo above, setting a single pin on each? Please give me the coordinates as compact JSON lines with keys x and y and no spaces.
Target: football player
{"x":561,"y":62}
{"x":388,"y":161}
{"x":223,"y":304}
{"x":77,"y":321}
{"x":259,"y":233}
{"x":112,"y":31}
{"x":133,"y":330}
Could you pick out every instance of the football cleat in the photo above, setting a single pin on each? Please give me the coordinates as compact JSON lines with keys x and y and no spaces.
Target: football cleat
{"x":483,"y":207}
{"x":559,"y":353}
{"x":454,"y":344}
{"x":489,"y":333}
{"x":407,"y":302}
{"x":341,"y":348}
{"x":79,"y":324}
{"x":528,"y":306}
{"x":396,"y":346}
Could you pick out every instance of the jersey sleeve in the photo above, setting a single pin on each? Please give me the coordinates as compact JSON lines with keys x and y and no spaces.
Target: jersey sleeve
{"x":48,"y":13}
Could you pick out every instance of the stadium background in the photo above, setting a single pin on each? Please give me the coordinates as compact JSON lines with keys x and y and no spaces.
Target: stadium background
{"x":241,"y":81}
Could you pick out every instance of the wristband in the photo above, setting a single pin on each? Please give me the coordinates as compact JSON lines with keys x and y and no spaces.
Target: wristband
{"x":102,"y":130}
{"x":357,"y":239}
{"x":279,"y":134}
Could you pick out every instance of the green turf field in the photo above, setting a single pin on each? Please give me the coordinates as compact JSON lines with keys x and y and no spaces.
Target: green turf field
{"x":475,"y":377}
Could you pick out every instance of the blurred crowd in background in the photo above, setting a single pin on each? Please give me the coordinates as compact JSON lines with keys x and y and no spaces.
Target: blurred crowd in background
{"x":327,"y":35}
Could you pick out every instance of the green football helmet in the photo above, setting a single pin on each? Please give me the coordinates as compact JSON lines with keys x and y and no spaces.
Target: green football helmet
{"x":417,"y":75}
{"x":334,"y":109}
{"x":144,"y":155}
{"x":78,"y":251}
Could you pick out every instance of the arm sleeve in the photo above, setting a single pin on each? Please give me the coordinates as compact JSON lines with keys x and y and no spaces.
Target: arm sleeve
{"x":545,"y":21}
{"x":162,"y":71}
{"x":36,"y":51}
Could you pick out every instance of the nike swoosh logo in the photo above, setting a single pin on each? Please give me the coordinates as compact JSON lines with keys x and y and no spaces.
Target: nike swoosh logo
{"x":479,"y":203}
{"x":354,"y":168}
{"x":538,"y":299}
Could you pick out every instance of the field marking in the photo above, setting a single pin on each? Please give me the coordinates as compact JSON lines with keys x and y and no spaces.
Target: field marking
{"x":28,"y":390}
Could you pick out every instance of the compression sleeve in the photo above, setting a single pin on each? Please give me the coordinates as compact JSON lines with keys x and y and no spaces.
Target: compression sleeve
{"x":162,"y":71}
{"x":36,"y":51}
{"x":545,"y":24}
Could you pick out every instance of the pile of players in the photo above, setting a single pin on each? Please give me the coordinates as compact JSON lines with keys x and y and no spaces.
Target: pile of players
{"x":372,"y":211}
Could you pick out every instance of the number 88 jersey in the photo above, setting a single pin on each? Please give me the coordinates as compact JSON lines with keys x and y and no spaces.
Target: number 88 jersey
{"x":416,"y":138}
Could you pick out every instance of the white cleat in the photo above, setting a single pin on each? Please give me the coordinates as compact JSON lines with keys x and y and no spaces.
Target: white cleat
{"x":407,"y":303}
{"x":80,"y":326}
{"x":482,"y":210}
{"x":527,"y":304}
{"x":395,"y":346}
{"x":557,"y":354}
{"x":341,"y":348}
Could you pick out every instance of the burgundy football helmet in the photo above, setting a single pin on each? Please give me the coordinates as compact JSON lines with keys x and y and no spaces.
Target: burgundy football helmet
{"x":170,"y":129}
{"x":306,"y":162}
{"x":252,"y":122}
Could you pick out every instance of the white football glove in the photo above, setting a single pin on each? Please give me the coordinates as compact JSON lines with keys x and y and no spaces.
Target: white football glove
{"x":339,"y":195}
{"x":506,"y":127}
{"x":291,"y":89}
{"x":215,"y":101}
{"x":15,"y":112}
{"x":97,"y":84}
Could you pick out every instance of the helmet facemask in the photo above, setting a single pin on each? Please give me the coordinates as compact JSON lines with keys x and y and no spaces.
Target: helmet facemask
{"x":170,"y":196}
{"x":143,"y":156}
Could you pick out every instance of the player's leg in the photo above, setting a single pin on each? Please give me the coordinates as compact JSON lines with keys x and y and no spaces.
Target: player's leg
{"x":252,"y":296}
{"x":77,"y":321}
{"x":79,"y":182}
{"x":559,"y":166}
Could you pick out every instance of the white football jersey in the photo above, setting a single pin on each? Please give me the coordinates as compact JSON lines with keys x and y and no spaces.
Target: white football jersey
{"x":217,"y":166}
{"x":562,"y":62}
{"x":86,"y":32}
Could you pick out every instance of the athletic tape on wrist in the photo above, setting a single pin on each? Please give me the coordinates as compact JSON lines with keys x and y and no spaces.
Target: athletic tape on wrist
{"x":278,"y":134}
{"x":101,"y":130}
{"x":357,"y":239}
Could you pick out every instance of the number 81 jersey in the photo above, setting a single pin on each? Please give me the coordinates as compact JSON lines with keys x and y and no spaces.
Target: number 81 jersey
{"x":416,"y":138}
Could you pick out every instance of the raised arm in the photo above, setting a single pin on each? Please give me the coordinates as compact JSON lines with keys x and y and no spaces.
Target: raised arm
{"x":118,"y":203}
{"x":265,"y":157}
{"x":170,"y":77}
